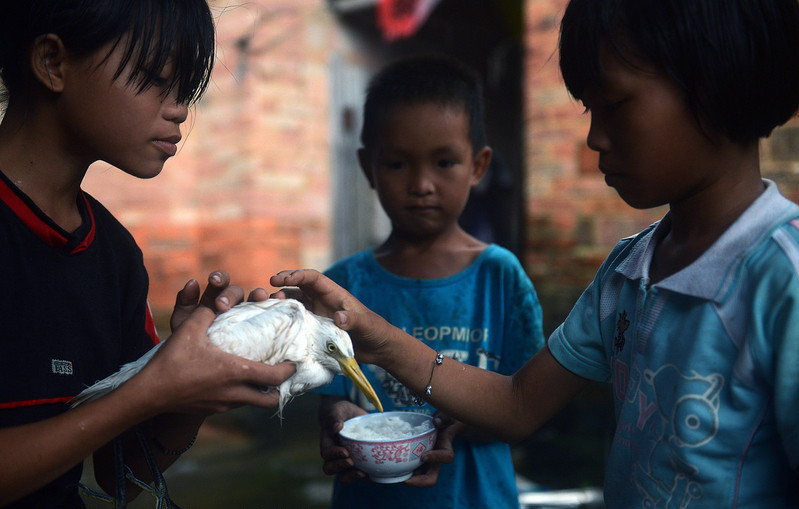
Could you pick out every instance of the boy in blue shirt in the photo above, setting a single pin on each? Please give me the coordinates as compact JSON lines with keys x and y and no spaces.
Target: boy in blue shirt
{"x":423,"y":150}
{"x":694,"y":320}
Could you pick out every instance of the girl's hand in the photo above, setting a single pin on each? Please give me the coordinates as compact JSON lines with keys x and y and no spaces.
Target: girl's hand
{"x":318,"y":292}
{"x":370,"y":333}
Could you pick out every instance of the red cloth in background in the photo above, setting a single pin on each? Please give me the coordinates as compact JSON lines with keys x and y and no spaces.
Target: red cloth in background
{"x":400,"y":19}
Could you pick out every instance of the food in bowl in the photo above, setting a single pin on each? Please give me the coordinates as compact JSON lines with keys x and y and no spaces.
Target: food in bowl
{"x":391,"y":427}
{"x":388,"y":446}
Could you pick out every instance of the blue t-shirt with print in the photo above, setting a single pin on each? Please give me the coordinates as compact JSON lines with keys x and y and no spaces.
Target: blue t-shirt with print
{"x":488,"y":315}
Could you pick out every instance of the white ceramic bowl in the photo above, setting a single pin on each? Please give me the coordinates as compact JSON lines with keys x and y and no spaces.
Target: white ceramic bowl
{"x":385,"y":458}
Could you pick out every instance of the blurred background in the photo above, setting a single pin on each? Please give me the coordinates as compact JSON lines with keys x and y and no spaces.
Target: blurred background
{"x":267,"y":179}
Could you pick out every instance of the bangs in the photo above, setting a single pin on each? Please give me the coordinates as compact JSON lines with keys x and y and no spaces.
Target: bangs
{"x":584,"y":26}
{"x":177,"y":33}
{"x":151,"y":34}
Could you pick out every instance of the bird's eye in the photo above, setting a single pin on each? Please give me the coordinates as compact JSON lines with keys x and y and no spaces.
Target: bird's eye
{"x":331,"y":347}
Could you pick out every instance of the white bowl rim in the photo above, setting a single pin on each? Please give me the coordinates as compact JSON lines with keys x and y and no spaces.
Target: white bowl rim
{"x":389,"y":414}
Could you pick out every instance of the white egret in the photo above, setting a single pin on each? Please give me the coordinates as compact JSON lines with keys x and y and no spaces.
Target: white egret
{"x":270,"y":331}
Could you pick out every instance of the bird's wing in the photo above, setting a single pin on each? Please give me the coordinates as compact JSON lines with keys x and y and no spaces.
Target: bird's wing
{"x":270,"y":331}
{"x":111,"y":382}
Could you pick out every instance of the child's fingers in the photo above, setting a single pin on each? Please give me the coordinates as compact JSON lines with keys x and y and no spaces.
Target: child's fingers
{"x":263,"y":375}
{"x":185,"y":302}
{"x":256,"y":397}
{"x":338,"y":466}
{"x":199,"y":320}
{"x":369,"y":332}
{"x":331,"y":424}
{"x":301,"y":277}
{"x":445,"y":455}
{"x":425,"y":476}
{"x":289,"y":293}
{"x":228,"y":298}
{"x":257,"y":295}
{"x":188,"y":295}
{"x":220,"y":295}
{"x":350,"y":476}
{"x":249,"y":386}
{"x":336,"y":458}
{"x":328,"y":448}
{"x":315,"y":285}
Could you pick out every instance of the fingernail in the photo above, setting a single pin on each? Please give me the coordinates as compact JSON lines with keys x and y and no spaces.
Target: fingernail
{"x":216,"y":277}
{"x":224,"y":300}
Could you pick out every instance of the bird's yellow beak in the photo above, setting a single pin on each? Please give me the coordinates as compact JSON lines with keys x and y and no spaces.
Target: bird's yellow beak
{"x":349,"y":367}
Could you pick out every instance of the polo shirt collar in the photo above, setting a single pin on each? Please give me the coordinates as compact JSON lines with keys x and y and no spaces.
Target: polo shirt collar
{"x":711,"y":276}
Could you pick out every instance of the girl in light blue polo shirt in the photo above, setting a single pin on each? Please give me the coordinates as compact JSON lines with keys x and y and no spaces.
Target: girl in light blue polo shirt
{"x":695,"y":320}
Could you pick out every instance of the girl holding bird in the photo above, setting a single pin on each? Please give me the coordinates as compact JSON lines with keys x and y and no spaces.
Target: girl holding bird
{"x":89,"y":80}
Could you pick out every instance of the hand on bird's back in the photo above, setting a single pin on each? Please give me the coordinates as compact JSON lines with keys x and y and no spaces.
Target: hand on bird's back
{"x":322,"y":296}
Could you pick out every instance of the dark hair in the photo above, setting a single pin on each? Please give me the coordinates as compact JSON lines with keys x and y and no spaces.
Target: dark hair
{"x":159,"y":30}
{"x":737,"y":61}
{"x":423,"y":79}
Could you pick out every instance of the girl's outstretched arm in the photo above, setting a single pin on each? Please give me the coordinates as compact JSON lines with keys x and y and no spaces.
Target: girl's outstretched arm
{"x":512,"y":407}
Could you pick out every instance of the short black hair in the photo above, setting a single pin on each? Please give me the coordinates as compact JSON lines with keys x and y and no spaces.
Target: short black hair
{"x":737,"y":61}
{"x":437,"y":79}
{"x":158,"y":30}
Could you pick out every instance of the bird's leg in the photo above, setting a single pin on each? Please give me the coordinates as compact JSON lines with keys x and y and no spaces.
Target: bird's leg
{"x":119,"y":467}
{"x":158,"y":489}
{"x":123,"y":474}
{"x":120,"y":500}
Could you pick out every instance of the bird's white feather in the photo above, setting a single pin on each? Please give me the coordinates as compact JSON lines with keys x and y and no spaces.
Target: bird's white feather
{"x":270,"y":331}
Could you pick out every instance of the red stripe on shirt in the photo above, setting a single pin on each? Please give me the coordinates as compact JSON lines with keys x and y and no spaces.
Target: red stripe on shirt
{"x":34,"y":402}
{"x":149,"y":326}
{"x":34,"y":222}
{"x":87,"y":241}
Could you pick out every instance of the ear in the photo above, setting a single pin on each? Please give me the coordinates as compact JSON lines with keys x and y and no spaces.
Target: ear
{"x":366,"y":166}
{"x":47,"y":58}
{"x":481,"y":162}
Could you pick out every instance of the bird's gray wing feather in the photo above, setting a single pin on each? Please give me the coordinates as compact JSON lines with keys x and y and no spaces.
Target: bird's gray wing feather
{"x":111,"y":382}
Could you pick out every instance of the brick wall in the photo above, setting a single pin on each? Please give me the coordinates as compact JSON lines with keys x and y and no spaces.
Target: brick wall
{"x":573,"y":218}
{"x":250,"y":189}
